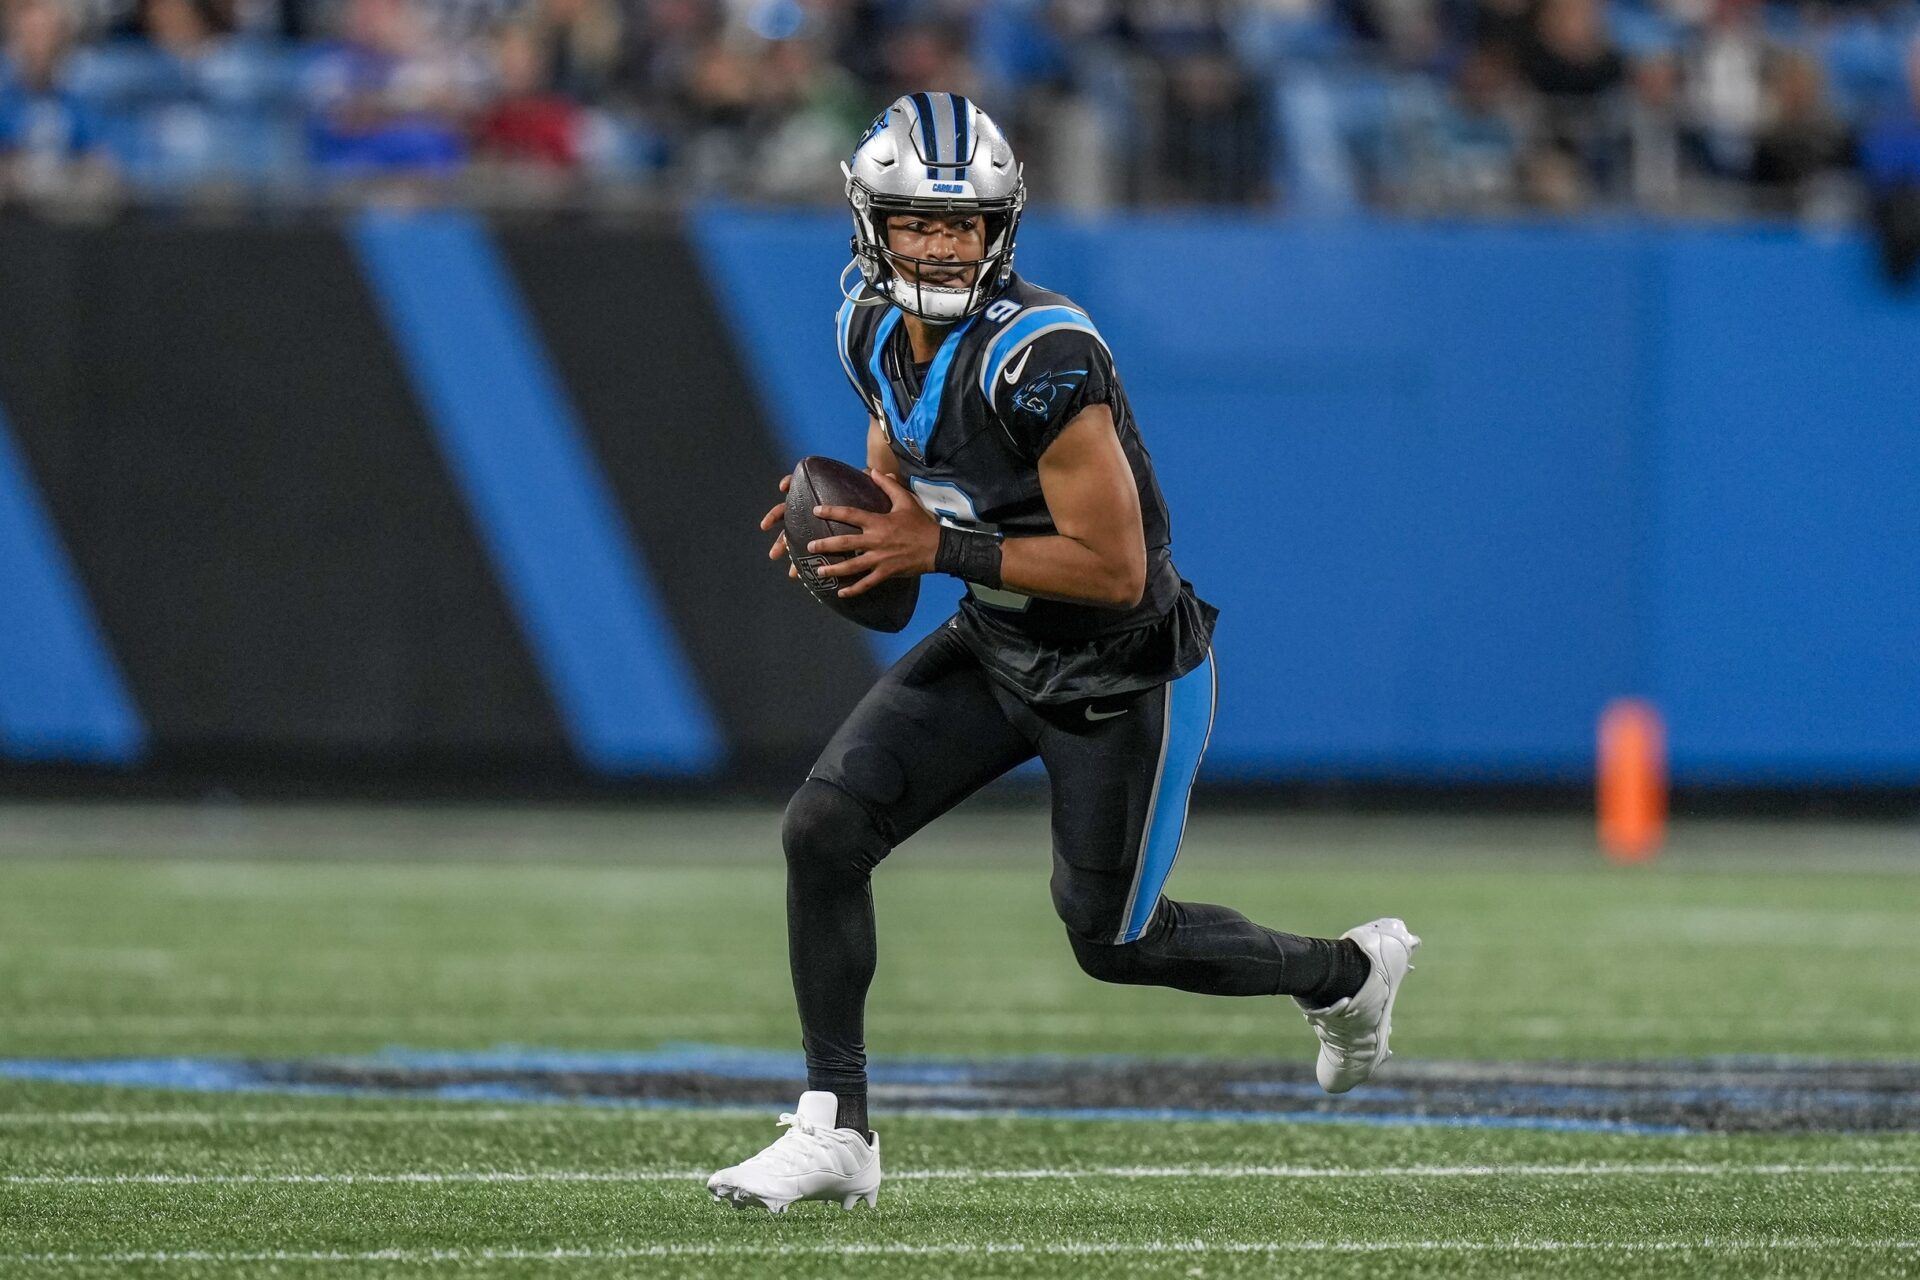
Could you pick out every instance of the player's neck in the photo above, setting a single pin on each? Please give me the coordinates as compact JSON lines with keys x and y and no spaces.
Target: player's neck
{"x":924,"y":336}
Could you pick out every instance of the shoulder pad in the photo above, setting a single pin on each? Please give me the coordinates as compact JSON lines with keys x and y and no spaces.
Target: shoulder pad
{"x":1030,"y":323}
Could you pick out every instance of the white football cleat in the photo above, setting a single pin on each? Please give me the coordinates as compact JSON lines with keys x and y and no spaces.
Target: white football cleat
{"x":812,"y":1160}
{"x":1353,"y":1030}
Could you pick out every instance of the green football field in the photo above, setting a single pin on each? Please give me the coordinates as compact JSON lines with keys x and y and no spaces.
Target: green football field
{"x":286,"y":974}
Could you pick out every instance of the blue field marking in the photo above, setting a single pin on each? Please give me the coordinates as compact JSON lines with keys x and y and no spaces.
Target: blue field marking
{"x":215,"y":1075}
{"x":544,"y":510}
{"x":62,"y":697}
{"x":1378,"y":1119}
{"x":1677,"y":1098}
{"x":719,"y":1061}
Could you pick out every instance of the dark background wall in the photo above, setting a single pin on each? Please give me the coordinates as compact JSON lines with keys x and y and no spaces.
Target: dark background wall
{"x":294,"y":570}
{"x":415,"y":498}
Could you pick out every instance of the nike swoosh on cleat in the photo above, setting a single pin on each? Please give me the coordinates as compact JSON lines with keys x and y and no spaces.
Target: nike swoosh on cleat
{"x":1012,"y":375}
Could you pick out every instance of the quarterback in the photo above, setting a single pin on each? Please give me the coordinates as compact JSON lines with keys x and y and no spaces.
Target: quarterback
{"x":998,"y":427}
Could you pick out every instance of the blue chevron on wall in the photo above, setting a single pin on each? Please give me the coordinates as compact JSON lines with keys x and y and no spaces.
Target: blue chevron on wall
{"x":62,"y":699}
{"x":539,"y":497}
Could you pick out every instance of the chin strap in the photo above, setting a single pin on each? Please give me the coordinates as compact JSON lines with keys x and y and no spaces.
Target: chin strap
{"x":872,"y":298}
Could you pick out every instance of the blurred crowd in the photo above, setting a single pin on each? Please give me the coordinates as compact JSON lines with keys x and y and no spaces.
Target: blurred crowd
{"x":1672,"y":106}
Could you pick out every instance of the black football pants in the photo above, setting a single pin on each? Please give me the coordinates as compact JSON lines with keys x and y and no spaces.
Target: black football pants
{"x":937,"y":728}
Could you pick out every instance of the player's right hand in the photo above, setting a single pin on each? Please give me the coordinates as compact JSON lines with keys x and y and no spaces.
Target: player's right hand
{"x":777,"y":517}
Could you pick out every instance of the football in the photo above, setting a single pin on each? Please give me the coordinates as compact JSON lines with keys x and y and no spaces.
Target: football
{"x":829,"y":482}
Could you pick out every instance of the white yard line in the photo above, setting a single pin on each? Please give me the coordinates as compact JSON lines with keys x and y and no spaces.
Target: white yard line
{"x":185,"y":1023}
{"x":1279,"y":1172}
{"x":451,"y":1114}
{"x":1068,"y":1248}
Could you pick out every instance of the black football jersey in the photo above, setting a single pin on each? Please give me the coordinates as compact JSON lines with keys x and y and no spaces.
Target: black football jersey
{"x":968,"y":430}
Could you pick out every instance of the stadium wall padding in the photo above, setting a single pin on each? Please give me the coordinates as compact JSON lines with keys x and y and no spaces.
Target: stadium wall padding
{"x":1457,"y":486}
{"x":417,"y":496}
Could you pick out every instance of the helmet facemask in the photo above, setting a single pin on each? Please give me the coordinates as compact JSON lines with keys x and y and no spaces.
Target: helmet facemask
{"x":897,"y":277}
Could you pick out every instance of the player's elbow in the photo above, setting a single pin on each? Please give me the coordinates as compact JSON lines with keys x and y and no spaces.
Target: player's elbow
{"x":1126,"y":581}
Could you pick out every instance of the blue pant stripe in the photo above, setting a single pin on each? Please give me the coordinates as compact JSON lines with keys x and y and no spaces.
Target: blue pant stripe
{"x":1189,"y":724}
{"x":543,"y":508}
{"x":61,"y":694}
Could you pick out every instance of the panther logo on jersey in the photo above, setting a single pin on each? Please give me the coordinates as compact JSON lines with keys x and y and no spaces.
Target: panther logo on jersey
{"x":1039,"y":396}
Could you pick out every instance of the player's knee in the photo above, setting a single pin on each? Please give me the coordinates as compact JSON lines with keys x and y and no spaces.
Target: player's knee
{"x":1094,"y":937}
{"x":827,"y":832}
{"x":1111,"y":961}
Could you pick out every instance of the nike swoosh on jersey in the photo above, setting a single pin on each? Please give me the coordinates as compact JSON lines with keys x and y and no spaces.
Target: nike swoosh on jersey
{"x":1012,"y":375}
{"x":1103,"y":715}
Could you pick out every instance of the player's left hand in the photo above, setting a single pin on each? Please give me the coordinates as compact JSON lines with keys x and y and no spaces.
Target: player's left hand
{"x":898,"y":543}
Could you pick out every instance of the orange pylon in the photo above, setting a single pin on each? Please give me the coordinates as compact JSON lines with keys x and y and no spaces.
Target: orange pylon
{"x":1632,"y":783}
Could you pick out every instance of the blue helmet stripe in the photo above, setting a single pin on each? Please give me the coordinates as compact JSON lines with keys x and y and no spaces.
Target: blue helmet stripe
{"x":962,"y":143}
{"x":923,"y":107}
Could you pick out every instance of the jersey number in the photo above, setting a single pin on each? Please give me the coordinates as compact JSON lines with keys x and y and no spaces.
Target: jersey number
{"x":949,"y":505}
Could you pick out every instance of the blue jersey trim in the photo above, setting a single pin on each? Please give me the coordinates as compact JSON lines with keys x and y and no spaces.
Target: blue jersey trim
{"x":1189,"y":723}
{"x":843,"y":328}
{"x":914,"y":431}
{"x":1023,"y":329}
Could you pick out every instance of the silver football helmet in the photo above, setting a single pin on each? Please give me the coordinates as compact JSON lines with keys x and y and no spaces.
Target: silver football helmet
{"x":932,"y":153}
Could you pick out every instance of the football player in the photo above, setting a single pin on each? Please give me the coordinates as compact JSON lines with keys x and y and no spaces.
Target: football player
{"x":998,"y":427}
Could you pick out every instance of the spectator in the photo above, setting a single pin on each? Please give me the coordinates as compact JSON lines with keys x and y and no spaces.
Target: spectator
{"x":1504,"y":27}
{"x":1212,"y":131}
{"x":579,"y":43}
{"x":925,"y":56}
{"x":1803,"y":141}
{"x":1725,"y":77}
{"x":1474,"y":154}
{"x":529,"y":123}
{"x":1568,"y":54}
{"x":50,"y":141}
{"x":1653,"y":131}
{"x":1558,"y":102}
{"x":1215,"y":146}
{"x":1571,"y":60}
{"x":811,"y":108}
{"x":1409,"y":32}
{"x":385,"y":97}
{"x":184,"y":30}
{"x":1890,"y":160}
